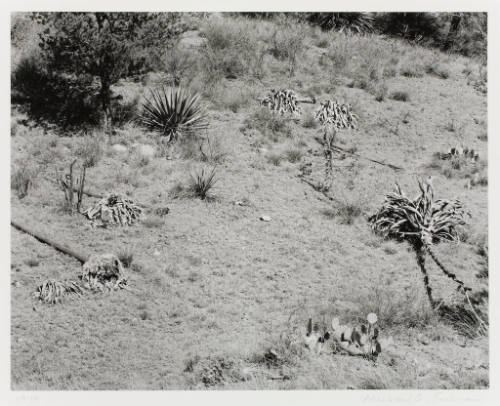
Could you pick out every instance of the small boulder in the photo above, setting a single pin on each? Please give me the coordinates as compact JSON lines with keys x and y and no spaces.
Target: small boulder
{"x":119,"y":148}
{"x":265,"y":217}
{"x":146,"y":150}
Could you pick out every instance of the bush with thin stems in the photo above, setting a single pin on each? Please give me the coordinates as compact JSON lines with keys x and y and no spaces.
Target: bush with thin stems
{"x":423,"y":222}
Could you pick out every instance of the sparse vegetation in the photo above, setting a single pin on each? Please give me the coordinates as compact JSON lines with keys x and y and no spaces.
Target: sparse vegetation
{"x":234,"y":282}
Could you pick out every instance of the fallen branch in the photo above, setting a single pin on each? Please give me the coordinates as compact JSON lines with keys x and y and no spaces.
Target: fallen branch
{"x":47,"y":240}
{"x":397,"y":168}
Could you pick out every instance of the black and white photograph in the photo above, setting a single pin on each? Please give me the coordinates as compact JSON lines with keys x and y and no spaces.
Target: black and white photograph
{"x":248,"y":200}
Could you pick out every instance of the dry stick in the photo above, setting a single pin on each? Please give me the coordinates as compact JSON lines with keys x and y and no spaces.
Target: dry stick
{"x":46,"y":240}
{"x":397,"y":168}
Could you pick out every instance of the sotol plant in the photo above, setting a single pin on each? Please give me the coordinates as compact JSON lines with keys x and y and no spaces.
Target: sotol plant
{"x":422,"y":222}
{"x":173,"y":112}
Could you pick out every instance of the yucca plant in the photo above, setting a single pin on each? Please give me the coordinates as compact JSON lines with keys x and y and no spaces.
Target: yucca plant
{"x":202,"y":182}
{"x":422,"y":222}
{"x":173,"y":112}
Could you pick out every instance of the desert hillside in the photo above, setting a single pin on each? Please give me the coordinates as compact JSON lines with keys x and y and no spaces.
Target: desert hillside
{"x":220,"y":289}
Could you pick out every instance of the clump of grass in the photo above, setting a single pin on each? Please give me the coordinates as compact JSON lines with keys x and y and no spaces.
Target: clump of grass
{"x":322,"y":43}
{"x":309,"y":121}
{"x":274,"y":159}
{"x":294,"y":155}
{"x":127,"y":177}
{"x":346,"y":213}
{"x":451,"y":125}
{"x":212,"y":150}
{"x":153,"y":222}
{"x":438,"y":70}
{"x":268,"y":124}
{"x":140,"y":160}
{"x":410,"y":69}
{"x":202,"y":182}
{"x":90,"y":151}
{"x":23,"y":178}
{"x":177,"y":191}
{"x":380,"y":91}
{"x":400,"y":95}
{"x":126,"y":257}
{"x":32,"y":262}
{"x":145,"y":315}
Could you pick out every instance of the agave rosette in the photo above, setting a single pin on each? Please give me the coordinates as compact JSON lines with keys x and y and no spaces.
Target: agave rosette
{"x":421,"y":219}
{"x":173,"y":112}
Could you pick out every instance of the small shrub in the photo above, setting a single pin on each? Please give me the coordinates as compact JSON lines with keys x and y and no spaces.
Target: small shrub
{"x":269,"y":124}
{"x":202,"y":182}
{"x":177,"y":62}
{"x":232,"y":50}
{"x":23,"y":179}
{"x":124,"y":112}
{"x":90,"y":151}
{"x":287,"y":43}
{"x":400,"y":95}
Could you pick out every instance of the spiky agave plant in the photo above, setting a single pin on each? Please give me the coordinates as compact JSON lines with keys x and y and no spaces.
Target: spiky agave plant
{"x":173,"y":112}
{"x":422,"y":222}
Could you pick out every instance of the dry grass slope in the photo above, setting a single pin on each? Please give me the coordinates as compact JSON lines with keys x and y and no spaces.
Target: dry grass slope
{"x":213,"y":289}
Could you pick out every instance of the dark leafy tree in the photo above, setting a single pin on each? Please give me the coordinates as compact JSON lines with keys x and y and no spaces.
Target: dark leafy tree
{"x":104,"y":47}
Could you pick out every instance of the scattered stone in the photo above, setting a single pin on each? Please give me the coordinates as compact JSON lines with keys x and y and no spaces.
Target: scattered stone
{"x":265,"y":217}
{"x":119,"y":148}
{"x":422,"y":339}
{"x":147,"y":151}
{"x":156,"y":253}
